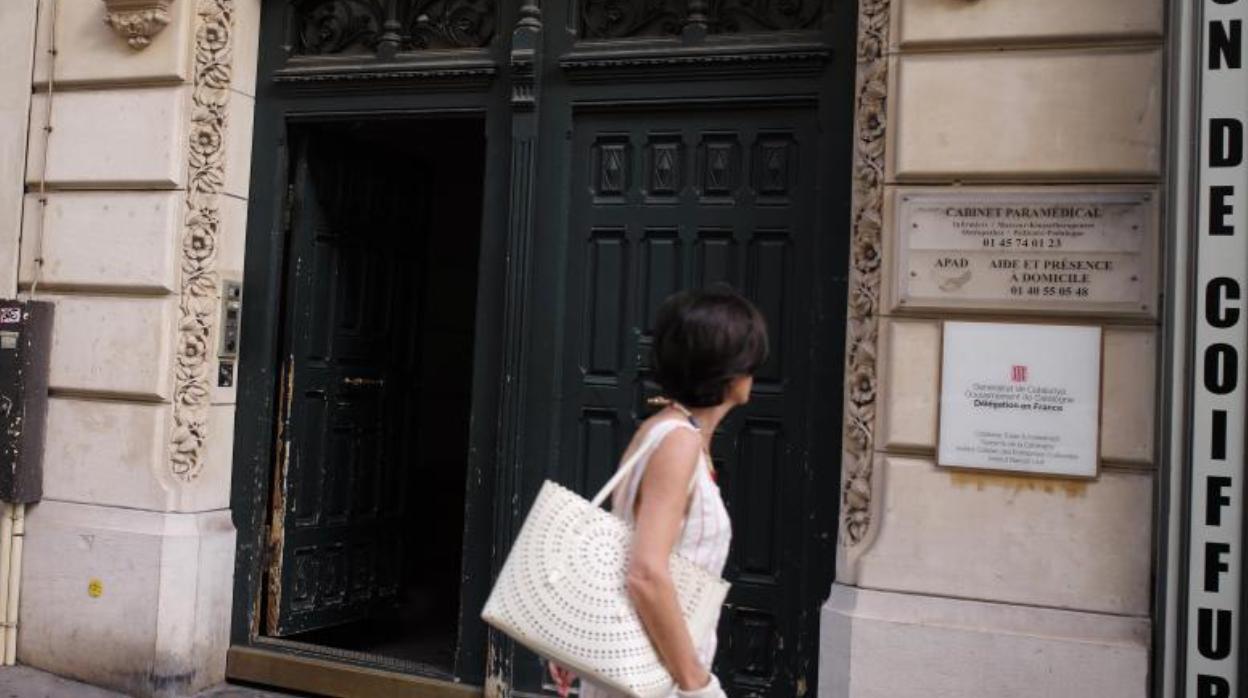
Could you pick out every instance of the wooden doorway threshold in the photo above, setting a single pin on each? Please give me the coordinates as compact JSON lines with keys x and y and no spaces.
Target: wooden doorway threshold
{"x":335,"y":679}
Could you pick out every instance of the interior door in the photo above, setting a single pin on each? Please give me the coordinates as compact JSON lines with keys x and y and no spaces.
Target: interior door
{"x":673,"y":199}
{"x":349,"y":387}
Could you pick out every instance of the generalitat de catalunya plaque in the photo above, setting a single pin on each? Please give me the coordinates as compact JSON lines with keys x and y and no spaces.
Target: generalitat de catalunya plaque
{"x":1072,"y":251}
{"x":1021,"y":397}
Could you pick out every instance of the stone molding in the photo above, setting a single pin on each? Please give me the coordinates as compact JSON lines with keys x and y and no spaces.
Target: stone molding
{"x":759,"y":59}
{"x":629,"y":19}
{"x":858,"y":477}
{"x":200,"y":287}
{"x":465,"y":69}
{"x":137,"y":21}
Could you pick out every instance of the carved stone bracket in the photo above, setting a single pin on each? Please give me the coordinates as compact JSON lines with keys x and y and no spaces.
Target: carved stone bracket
{"x":137,"y":21}
{"x":200,"y":286}
{"x":859,"y":480}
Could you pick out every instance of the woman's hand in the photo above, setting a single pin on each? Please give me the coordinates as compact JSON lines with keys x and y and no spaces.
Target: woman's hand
{"x":562,"y":677}
{"x":660,"y":511}
{"x":712,"y":689}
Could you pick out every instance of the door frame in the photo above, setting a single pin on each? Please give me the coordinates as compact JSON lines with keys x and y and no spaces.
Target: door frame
{"x":470,"y":87}
{"x":511,"y":434}
{"x":260,"y":371}
{"x":259,"y":390}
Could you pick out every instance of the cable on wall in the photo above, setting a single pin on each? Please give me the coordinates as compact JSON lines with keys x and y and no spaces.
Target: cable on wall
{"x":47,"y":139}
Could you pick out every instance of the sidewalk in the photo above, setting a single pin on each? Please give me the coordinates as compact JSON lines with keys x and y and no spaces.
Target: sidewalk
{"x":24,"y":682}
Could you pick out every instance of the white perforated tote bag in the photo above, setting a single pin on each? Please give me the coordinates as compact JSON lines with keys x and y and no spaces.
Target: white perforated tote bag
{"x":562,"y":593}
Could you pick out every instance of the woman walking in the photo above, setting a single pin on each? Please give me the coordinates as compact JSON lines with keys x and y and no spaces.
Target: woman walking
{"x":707,"y":346}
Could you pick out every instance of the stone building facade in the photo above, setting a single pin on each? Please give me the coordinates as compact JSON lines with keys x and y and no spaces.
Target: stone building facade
{"x":131,"y":213}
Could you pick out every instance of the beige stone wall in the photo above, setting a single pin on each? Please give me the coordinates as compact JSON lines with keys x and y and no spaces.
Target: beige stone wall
{"x":134,"y":247}
{"x":957,"y":570}
{"x":1024,"y":95}
{"x":17,"y":50}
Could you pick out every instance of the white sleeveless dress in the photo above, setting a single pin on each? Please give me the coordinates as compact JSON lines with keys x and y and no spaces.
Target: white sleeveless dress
{"x":704,"y":539}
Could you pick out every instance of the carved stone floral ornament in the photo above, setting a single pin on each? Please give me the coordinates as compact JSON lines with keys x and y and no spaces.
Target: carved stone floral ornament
{"x":137,"y":21}
{"x":200,"y":294}
{"x":860,"y":482}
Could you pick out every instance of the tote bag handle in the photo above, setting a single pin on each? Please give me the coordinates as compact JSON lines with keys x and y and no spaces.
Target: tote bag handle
{"x":657,"y":432}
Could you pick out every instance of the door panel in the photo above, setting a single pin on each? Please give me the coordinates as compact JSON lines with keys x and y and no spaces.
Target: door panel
{"x":353,"y":315}
{"x":681,"y":198}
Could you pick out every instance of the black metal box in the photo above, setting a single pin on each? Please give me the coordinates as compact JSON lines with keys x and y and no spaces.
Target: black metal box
{"x":25,"y":348}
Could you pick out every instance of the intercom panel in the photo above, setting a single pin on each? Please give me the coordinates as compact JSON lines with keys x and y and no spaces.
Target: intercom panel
{"x":25,"y":349}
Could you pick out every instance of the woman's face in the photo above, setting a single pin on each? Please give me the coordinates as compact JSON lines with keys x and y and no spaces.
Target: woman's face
{"x":739,"y":389}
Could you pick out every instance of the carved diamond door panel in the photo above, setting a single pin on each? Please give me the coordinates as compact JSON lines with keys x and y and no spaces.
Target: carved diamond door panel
{"x":336,"y":543}
{"x":675,"y":199}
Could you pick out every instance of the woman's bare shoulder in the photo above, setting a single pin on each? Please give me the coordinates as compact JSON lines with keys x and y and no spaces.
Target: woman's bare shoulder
{"x":679,"y":435}
{"x":670,"y":465}
{"x":683,"y":432}
{"x":680,"y":445}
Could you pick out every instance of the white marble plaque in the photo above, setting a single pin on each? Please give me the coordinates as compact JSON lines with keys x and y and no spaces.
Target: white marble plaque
{"x":1021,"y":397}
{"x":999,"y":250}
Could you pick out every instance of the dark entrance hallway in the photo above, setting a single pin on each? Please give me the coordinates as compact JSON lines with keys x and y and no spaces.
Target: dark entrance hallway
{"x":379,"y":316}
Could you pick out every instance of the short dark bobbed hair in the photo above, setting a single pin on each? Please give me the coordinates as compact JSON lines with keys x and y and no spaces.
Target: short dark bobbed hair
{"x":702,"y":340}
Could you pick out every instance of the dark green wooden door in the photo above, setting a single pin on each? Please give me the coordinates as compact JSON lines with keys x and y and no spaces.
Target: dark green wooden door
{"x":682,"y":143}
{"x":349,"y":388}
{"x":668,"y":200}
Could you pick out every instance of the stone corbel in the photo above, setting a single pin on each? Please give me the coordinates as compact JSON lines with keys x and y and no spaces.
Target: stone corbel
{"x":137,"y":21}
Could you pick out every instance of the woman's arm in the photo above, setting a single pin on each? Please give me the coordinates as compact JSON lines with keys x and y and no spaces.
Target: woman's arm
{"x":660,"y":510}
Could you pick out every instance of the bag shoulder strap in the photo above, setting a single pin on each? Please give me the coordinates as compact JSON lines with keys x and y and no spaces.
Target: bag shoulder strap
{"x":652,"y":440}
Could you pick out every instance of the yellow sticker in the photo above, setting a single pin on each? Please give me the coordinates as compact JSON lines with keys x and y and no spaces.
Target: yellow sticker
{"x":95,"y":588}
